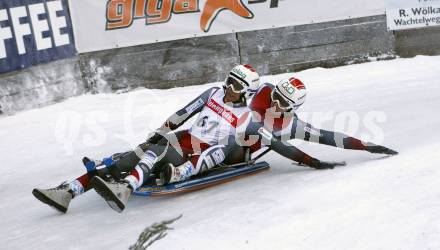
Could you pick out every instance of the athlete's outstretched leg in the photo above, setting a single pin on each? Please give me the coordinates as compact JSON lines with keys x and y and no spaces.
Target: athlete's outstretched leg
{"x":61,"y":196}
{"x":117,"y":193}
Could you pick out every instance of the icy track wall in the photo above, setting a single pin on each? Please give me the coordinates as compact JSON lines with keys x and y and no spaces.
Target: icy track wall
{"x":207,"y":59}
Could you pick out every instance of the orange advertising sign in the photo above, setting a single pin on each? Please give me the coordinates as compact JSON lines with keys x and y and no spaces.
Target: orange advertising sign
{"x":121,"y":13}
{"x":106,"y":24}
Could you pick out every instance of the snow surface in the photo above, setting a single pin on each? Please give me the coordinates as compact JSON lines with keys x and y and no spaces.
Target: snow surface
{"x":372,"y":203}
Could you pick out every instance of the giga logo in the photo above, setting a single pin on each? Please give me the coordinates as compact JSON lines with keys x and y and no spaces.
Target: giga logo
{"x":121,"y":13}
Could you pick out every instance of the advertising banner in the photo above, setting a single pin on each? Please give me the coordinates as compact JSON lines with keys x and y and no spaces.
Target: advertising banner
{"x":34,"y":32}
{"x":407,"y":14}
{"x":106,"y":24}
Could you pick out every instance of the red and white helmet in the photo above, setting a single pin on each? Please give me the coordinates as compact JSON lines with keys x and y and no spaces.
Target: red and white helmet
{"x":243,"y":79}
{"x":289,"y":93}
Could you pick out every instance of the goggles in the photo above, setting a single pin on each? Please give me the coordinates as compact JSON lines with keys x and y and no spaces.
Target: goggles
{"x":282,"y":102}
{"x":236,"y":85}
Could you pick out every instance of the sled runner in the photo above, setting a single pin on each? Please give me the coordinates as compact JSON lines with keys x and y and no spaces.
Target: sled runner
{"x":215,"y":177}
{"x":218,"y":176}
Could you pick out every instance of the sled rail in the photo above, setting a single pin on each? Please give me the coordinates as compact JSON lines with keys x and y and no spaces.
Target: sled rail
{"x":217,"y":177}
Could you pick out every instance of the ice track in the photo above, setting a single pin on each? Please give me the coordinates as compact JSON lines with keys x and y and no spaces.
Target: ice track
{"x":373,"y":203}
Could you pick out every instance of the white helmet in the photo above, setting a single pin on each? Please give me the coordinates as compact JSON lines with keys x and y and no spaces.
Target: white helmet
{"x":243,"y":79}
{"x":289,"y":93}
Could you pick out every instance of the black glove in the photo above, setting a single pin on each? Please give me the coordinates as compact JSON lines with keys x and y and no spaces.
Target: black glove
{"x":154,"y":138}
{"x":317,"y":164}
{"x":377,"y":149}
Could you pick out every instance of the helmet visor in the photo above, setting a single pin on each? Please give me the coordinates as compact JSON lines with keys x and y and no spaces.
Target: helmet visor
{"x":281,"y":100}
{"x":236,"y":85}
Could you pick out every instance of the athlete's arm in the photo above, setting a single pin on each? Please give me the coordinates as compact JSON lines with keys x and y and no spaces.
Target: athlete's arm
{"x":192,"y":108}
{"x":293,"y":153}
{"x":181,"y":116}
{"x":253,"y":132}
{"x":299,"y":129}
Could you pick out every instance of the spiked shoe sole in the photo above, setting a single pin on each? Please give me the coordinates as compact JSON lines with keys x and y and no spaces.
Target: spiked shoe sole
{"x":43,"y":198}
{"x":104,"y":191}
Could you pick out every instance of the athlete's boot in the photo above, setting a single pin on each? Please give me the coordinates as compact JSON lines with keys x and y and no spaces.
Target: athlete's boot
{"x":115,"y":193}
{"x":173,"y":174}
{"x":58,"y":197}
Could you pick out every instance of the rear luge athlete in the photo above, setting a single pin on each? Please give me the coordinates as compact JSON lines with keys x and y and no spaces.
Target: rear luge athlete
{"x":273,"y":123}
